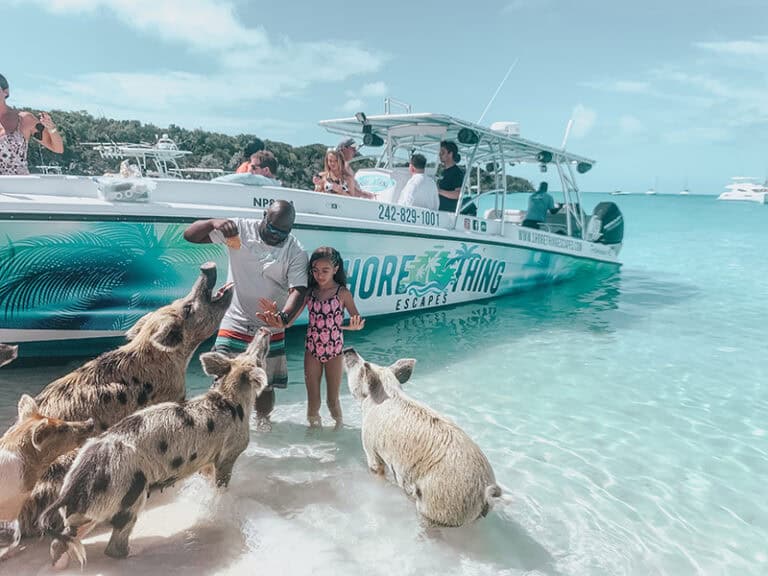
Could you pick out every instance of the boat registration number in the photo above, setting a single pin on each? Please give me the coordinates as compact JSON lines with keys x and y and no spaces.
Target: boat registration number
{"x":408,"y":215}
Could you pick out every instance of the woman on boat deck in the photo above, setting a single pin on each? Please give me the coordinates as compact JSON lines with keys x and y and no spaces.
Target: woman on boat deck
{"x":334,"y":178}
{"x":326,"y":300}
{"x":16,"y":128}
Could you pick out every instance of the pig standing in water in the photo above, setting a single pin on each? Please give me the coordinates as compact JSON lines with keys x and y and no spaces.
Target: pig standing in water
{"x":26,"y":450}
{"x":147,"y":370}
{"x":430,"y":458}
{"x":154,"y":448}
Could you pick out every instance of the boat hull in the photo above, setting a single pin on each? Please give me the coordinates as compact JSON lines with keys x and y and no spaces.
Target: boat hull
{"x":77,"y":268}
{"x":758,"y":197}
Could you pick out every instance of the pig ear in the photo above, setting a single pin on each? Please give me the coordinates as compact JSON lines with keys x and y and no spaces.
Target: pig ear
{"x":27,"y":406}
{"x":374,"y":385}
{"x":263,"y":381}
{"x":215,"y":364}
{"x":39,"y":433}
{"x":169,"y":335}
{"x":136,"y":328}
{"x":403,"y":369}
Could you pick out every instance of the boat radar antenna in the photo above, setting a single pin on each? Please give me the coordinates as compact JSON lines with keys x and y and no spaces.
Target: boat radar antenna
{"x":487,"y":106}
{"x":567,"y":133}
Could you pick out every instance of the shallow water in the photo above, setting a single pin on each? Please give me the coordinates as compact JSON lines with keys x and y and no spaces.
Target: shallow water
{"x":625,"y":416}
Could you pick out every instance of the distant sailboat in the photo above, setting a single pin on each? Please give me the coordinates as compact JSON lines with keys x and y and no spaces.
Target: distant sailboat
{"x":652,"y":190}
{"x":685,"y":191}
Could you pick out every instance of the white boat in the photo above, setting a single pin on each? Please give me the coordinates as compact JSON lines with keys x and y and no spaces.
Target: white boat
{"x":82,"y":258}
{"x":746,"y":188}
{"x":158,"y":160}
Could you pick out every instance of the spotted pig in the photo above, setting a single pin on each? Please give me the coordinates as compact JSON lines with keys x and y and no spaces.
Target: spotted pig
{"x":147,"y":370}
{"x":113,"y":474}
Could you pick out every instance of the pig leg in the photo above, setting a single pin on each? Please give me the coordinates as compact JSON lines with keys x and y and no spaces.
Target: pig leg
{"x":224,"y":471}
{"x":122,"y":526}
{"x":375,"y":463}
{"x":69,"y":544}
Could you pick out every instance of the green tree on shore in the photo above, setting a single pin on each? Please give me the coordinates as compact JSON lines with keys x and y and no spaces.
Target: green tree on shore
{"x":297,"y":164}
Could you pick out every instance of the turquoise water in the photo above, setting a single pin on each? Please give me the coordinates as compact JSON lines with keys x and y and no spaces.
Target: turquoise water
{"x":625,"y":416}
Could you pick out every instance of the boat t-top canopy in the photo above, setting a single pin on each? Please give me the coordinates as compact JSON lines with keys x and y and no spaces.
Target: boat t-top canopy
{"x":487,"y":149}
{"x":424,"y":131}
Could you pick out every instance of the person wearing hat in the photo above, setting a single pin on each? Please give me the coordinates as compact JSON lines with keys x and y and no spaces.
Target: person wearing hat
{"x":16,"y":128}
{"x":348,"y":149}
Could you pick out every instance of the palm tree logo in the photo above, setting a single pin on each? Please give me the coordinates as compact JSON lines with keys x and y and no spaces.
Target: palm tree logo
{"x":101,"y":276}
{"x":436,"y":269}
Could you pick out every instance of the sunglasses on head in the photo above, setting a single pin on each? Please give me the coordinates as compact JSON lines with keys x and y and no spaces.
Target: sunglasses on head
{"x":277,"y":232}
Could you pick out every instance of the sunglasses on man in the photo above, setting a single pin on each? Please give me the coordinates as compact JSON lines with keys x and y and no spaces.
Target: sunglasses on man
{"x":277,"y":232}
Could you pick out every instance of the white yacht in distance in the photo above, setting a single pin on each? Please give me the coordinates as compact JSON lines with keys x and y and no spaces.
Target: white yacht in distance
{"x":746,"y":188}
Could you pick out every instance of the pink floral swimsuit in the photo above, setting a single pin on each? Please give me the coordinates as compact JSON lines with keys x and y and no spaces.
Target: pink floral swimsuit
{"x":325,"y":338}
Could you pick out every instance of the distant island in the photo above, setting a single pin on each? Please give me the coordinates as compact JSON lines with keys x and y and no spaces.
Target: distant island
{"x":297,"y":164}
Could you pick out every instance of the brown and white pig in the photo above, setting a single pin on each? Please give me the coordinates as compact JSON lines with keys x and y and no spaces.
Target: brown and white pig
{"x":8,"y":354}
{"x":26,"y":451}
{"x":113,"y":474}
{"x":429,"y":457}
{"x":147,"y":370}
{"x":150,"y":368}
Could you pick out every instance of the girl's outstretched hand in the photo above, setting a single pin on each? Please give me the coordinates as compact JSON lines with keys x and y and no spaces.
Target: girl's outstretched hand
{"x":268,"y":305}
{"x":269,"y":313}
{"x":355,"y":323}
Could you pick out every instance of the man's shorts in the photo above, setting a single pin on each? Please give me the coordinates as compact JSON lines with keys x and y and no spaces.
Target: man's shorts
{"x":233,"y":343}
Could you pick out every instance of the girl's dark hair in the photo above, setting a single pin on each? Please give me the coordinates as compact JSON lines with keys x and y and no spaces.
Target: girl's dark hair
{"x":333,"y":256}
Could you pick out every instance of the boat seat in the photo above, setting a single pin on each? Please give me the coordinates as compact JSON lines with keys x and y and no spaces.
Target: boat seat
{"x":557,"y":224}
{"x":514,"y":216}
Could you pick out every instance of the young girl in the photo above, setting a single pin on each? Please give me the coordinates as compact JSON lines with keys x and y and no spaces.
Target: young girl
{"x":326,"y":300}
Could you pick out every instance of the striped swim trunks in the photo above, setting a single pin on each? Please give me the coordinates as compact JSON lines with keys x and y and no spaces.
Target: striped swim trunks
{"x":233,"y":343}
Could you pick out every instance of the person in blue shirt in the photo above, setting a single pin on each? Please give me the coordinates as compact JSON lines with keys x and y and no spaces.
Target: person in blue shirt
{"x":539,"y":204}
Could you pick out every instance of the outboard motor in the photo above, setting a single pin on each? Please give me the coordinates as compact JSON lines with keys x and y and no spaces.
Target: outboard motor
{"x":606,"y":225}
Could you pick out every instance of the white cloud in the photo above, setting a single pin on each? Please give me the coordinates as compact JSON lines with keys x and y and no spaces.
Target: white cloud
{"x":374,"y":89}
{"x":359,"y":99}
{"x":352,"y":105}
{"x":631,"y":125}
{"x":583,"y":120}
{"x":200,"y":24}
{"x":755,"y":47}
{"x":247,"y":64}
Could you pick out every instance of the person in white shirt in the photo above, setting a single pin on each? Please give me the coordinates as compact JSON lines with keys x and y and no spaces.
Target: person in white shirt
{"x":420,"y":191}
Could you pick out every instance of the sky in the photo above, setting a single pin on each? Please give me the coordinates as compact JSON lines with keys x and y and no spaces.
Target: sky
{"x":663,"y":94}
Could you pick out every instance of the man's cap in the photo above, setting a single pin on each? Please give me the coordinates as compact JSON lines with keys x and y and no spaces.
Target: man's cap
{"x":347,"y":143}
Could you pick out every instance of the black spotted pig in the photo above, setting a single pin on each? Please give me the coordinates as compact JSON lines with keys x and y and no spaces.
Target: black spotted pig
{"x":113,"y":474}
{"x":147,"y":370}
